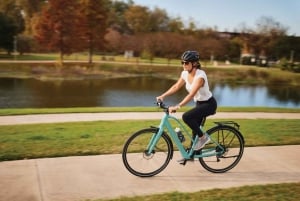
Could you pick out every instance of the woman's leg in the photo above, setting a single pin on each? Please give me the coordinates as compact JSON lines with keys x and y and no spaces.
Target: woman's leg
{"x":194,"y":116}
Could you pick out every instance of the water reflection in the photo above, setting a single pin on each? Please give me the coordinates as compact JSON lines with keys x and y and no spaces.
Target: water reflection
{"x":140,"y":91}
{"x":285,"y":94}
{"x":248,"y":95}
{"x":137,"y":91}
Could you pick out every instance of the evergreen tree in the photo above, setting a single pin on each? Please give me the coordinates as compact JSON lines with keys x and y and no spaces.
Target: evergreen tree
{"x":8,"y":31}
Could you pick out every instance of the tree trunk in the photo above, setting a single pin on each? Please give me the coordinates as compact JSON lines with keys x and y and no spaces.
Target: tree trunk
{"x":61,"y":57}
{"x":91,"y":55}
{"x":91,"y":51}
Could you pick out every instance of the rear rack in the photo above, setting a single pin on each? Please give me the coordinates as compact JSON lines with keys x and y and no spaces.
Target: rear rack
{"x":230,"y":123}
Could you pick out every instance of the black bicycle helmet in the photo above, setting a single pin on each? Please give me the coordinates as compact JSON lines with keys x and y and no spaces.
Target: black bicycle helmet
{"x":192,"y":56}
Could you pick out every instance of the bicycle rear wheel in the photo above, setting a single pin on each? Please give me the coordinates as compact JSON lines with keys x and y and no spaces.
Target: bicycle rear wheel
{"x":135,"y":154}
{"x":228,"y":152}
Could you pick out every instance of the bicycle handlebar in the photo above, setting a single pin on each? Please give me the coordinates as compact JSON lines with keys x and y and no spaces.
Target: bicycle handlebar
{"x":160,"y":104}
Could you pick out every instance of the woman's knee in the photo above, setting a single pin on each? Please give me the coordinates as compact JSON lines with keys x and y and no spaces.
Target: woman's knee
{"x":185,"y":117}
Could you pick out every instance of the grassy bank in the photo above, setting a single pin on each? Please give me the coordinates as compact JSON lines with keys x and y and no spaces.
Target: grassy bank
{"x":230,"y":74}
{"x":104,"y":137}
{"x":271,"y":192}
{"x":25,"y":111}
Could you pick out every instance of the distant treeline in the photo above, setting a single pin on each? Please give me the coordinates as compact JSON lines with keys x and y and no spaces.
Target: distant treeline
{"x":116,"y":27}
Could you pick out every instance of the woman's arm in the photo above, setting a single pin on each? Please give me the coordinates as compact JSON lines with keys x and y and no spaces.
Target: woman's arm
{"x":174,"y":88}
{"x":196,"y":86}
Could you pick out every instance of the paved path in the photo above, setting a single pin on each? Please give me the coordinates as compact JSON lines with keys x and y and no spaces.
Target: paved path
{"x":74,"y":117}
{"x":104,"y":176}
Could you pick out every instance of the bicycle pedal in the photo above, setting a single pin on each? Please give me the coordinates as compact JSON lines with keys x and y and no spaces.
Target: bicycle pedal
{"x":183,"y":161}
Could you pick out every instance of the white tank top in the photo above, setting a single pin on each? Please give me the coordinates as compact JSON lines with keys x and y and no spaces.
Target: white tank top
{"x":203,"y":93}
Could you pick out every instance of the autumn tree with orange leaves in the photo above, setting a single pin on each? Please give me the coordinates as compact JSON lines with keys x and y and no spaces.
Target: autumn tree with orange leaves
{"x":94,"y":24}
{"x":57,"y":27}
{"x":74,"y":25}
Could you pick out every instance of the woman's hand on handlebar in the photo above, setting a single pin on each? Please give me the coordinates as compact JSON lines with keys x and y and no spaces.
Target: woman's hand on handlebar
{"x":170,"y":109}
{"x":160,"y":104}
{"x":173,"y":109}
{"x":159,"y":99}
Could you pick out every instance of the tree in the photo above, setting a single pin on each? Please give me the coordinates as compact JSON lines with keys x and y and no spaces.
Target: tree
{"x":116,"y":19}
{"x":142,"y":20}
{"x":13,"y":10}
{"x":57,"y":27}
{"x":262,"y":40}
{"x":268,"y":31}
{"x":246,"y":40}
{"x":25,"y":44}
{"x":113,"y":38}
{"x":287,"y":47}
{"x":8,"y":31}
{"x":29,"y":9}
{"x":158,"y":20}
{"x":12,"y":23}
{"x":132,"y":42}
{"x":137,"y":18}
{"x":170,"y":45}
{"x":175,"y":25}
{"x":94,"y":24}
{"x":234,"y":49}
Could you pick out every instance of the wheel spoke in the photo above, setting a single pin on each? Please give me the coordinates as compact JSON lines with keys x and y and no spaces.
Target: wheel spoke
{"x":138,"y":161}
{"x":229,"y":149}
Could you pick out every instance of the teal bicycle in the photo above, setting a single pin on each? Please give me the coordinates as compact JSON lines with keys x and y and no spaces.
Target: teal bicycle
{"x":148,"y":151}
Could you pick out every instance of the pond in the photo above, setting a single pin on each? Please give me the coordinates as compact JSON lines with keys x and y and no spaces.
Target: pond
{"x":136,"y":91}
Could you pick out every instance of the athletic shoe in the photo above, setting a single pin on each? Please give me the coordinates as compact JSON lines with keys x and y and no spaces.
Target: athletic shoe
{"x":202,"y":141}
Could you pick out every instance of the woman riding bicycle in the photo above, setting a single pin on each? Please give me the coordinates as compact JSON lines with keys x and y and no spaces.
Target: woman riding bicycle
{"x":196,"y":84}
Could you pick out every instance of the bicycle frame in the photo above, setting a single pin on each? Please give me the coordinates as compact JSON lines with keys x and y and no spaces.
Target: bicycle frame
{"x":187,"y":154}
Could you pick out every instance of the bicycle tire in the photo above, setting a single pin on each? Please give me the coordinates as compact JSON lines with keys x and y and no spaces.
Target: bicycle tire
{"x":232,"y":142}
{"x":138,"y":162}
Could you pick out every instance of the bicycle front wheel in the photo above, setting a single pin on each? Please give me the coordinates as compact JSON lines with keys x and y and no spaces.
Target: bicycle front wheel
{"x":228,"y":144}
{"x":138,"y":161}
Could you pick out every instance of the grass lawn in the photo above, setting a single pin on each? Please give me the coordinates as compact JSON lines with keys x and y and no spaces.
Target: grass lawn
{"x":108,"y":137}
{"x":272,"y":192}
{"x":24,"y":111}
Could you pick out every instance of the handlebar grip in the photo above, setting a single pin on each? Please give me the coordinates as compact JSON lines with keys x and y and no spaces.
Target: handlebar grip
{"x":161,"y":104}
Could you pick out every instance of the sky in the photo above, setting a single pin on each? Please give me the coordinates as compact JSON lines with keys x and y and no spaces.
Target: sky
{"x":230,"y":15}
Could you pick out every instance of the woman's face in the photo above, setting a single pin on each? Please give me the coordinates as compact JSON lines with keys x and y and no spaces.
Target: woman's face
{"x":187,"y":66}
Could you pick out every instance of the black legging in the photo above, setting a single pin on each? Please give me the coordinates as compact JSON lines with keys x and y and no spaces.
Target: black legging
{"x":194,"y":116}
